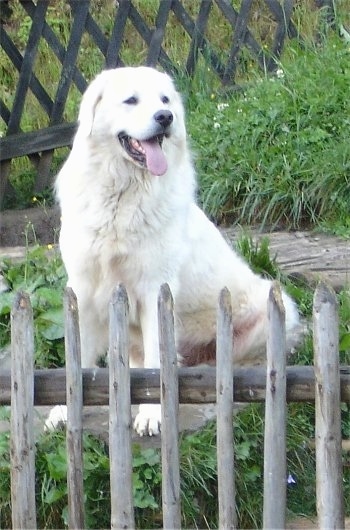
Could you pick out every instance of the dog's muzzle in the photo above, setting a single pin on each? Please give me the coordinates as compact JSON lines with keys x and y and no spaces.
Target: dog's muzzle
{"x":148,"y":153}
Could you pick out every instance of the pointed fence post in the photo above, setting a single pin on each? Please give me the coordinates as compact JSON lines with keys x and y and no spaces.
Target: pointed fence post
{"x":275,"y":467}
{"x":170,"y":411}
{"x":329,"y":470}
{"x":74,"y":398}
{"x":224,"y":400}
{"x":122,"y":502}
{"x":22,"y":412}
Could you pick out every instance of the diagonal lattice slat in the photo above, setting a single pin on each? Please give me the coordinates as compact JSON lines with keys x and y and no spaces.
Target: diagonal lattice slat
{"x":55,"y":45}
{"x":27,"y":67}
{"x":80,"y":13}
{"x":112,"y":55}
{"x":158,"y":33}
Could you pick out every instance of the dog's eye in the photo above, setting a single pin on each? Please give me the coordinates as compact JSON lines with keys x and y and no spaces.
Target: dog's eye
{"x":165,"y":99}
{"x":131,"y":101}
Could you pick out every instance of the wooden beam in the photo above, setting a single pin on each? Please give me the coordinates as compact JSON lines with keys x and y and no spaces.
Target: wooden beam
{"x":171,"y":496}
{"x":16,"y":145}
{"x":196,"y":385}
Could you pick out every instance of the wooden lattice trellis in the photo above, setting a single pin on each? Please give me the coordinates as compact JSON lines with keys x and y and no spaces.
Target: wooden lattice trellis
{"x":40,"y":145}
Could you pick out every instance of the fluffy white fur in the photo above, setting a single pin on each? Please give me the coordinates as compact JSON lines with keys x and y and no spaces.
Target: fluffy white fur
{"x":123,"y":223}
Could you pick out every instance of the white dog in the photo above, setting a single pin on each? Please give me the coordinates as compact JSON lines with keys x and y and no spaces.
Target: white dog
{"x":129,"y":215}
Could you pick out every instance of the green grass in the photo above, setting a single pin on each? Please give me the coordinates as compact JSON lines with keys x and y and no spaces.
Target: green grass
{"x":277,"y":153}
{"x":41,"y":274}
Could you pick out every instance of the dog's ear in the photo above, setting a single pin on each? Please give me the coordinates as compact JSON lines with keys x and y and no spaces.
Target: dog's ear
{"x":91,"y":98}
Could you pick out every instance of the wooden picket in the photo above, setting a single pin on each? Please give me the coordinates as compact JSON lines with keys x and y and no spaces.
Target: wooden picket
{"x":122,"y":513}
{"x":22,"y":415}
{"x":330,"y":501}
{"x":275,"y":465}
{"x":74,"y":399}
{"x":328,"y":386}
{"x":170,"y":411}
{"x":224,"y":400}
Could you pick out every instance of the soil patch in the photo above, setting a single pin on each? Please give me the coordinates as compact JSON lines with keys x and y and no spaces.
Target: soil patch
{"x":27,"y":227}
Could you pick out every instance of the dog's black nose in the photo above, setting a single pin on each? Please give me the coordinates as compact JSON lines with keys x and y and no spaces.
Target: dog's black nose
{"x":164,"y":118}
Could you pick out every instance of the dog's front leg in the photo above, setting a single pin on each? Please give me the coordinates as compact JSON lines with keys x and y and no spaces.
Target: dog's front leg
{"x":148,"y":419}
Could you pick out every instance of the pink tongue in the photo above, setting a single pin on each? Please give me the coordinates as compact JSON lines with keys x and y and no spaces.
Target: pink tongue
{"x":155,"y":159}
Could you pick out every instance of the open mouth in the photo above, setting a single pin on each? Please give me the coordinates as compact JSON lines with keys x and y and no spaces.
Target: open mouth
{"x":147,"y":153}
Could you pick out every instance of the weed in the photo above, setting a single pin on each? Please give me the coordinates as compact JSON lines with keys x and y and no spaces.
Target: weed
{"x":41,"y":275}
{"x":257,"y":254}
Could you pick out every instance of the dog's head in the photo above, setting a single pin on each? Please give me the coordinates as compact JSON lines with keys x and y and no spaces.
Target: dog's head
{"x":140,"y":109}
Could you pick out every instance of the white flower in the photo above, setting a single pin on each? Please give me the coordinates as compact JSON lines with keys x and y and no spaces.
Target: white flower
{"x":279,"y":73}
{"x":222,"y":106}
{"x":216,"y":125}
{"x":291,"y":479}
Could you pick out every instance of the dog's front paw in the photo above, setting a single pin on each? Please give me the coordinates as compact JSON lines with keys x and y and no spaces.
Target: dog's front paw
{"x":56,"y":417}
{"x":148,"y":420}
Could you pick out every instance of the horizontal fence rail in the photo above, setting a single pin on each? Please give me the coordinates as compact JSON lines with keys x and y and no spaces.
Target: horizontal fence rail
{"x":119,"y":386}
{"x":196,"y":385}
{"x":127,"y":18}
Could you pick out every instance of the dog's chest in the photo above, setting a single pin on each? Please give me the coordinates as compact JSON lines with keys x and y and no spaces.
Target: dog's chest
{"x":139,"y":246}
{"x":131,"y":219}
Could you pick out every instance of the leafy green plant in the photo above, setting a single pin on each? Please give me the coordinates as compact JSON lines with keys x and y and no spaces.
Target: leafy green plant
{"x":146,"y":480}
{"x":197,"y":470}
{"x":5,"y":470}
{"x":198,"y":478}
{"x":42,"y":276}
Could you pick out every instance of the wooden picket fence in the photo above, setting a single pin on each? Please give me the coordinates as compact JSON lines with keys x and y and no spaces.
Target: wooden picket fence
{"x":326,"y":383}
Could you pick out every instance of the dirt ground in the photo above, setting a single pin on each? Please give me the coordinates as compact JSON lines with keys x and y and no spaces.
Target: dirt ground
{"x":21,"y":227}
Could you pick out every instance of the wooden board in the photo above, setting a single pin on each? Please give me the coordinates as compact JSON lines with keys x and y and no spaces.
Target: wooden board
{"x":306,"y":254}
